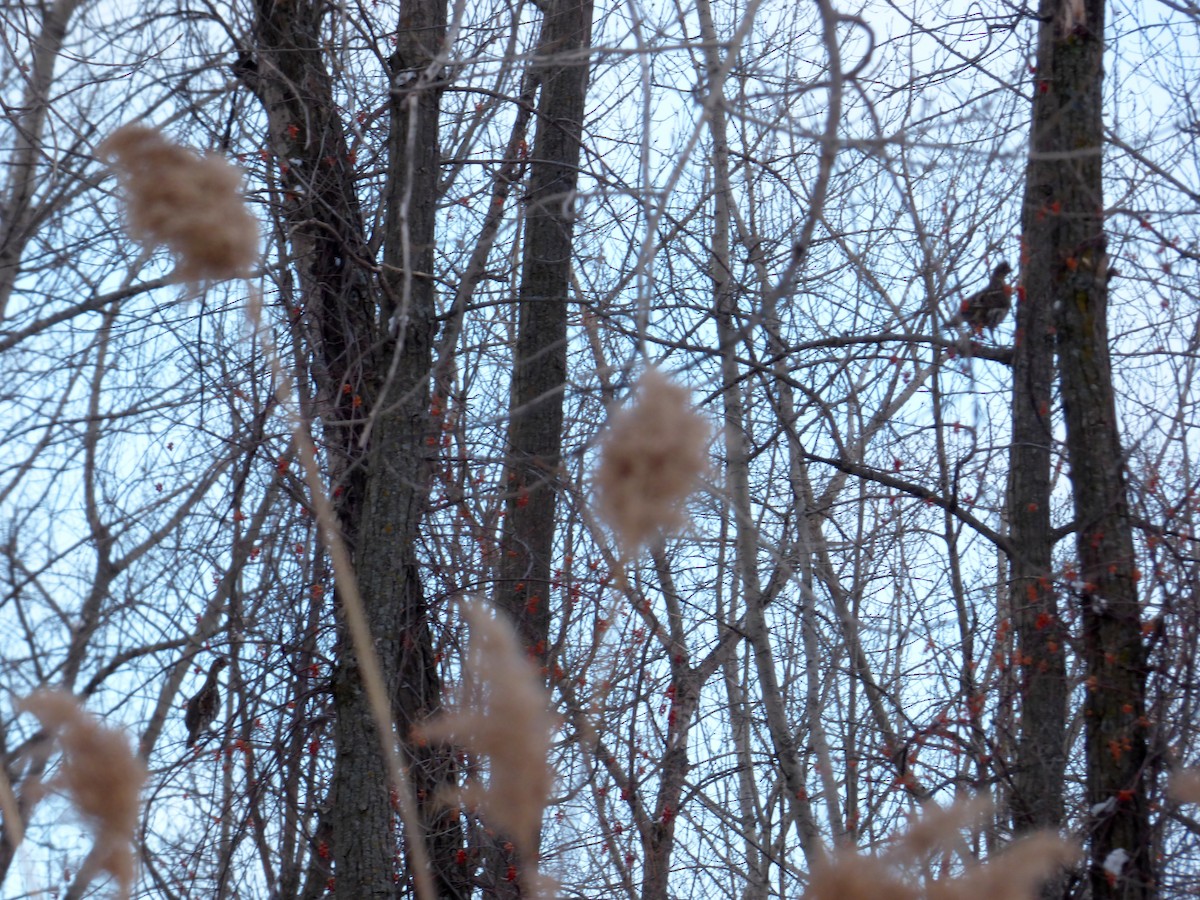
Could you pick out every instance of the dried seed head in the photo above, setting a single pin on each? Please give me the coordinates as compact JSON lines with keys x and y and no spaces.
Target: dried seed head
{"x":190,"y":203}
{"x":1185,"y":786}
{"x":651,"y":459}
{"x":103,"y":778}
{"x":939,"y":826}
{"x":853,"y":877}
{"x":1016,"y":873}
{"x":509,"y":722}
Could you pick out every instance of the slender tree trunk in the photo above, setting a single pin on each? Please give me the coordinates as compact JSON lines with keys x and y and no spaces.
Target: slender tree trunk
{"x":1065,"y":200}
{"x":725,"y":293}
{"x":1040,"y":654}
{"x":540,"y":358}
{"x":658,"y":840}
{"x":737,"y":450}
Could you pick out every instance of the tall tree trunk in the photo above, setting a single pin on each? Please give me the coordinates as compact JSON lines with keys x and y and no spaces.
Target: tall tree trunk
{"x":1068,"y":202}
{"x":398,"y":462}
{"x":540,"y":358}
{"x":370,"y":341}
{"x":1040,"y":655}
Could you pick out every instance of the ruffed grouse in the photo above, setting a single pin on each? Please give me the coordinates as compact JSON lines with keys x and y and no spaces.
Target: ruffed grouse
{"x":202,"y":708}
{"x":987,"y":308}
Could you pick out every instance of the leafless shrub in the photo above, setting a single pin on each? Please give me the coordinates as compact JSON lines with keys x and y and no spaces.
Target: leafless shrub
{"x":102,"y":777}
{"x":507,"y":720}
{"x":1014,"y":874}
{"x":652,"y":456}
{"x":190,"y":203}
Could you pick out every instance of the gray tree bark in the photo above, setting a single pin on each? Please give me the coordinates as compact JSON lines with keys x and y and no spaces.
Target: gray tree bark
{"x":539,"y":377}
{"x":370,"y":342}
{"x":1065,"y":198}
{"x":1039,"y":662}
{"x":540,"y":357}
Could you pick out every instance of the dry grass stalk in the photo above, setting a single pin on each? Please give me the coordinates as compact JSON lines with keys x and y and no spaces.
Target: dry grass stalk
{"x":509,"y":723}
{"x":191,"y":203}
{"x":1014,"y":874}
{"x":653,"y":455}
{"x":102,"y":776}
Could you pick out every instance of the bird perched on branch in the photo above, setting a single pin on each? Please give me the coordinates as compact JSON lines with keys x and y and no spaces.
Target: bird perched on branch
{"x":202,"y":708}
{"x":987,"y":308}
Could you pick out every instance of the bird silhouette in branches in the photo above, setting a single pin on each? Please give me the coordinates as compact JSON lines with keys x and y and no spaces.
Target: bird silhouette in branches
{"x":202,"y":708}
{"x":987,"y":308}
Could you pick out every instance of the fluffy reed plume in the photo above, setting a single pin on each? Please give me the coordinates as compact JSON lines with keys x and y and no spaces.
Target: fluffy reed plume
{"x":508,"y":721}
{"x":102,"y":777}
{"x":191,"y":203}
{"x":1014,"y":874}
{"x":651,"y":458}
{"x":1185,"y":786}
